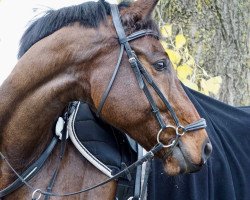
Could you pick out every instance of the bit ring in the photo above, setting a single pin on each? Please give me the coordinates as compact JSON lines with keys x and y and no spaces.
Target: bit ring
{"x":159,"y":133}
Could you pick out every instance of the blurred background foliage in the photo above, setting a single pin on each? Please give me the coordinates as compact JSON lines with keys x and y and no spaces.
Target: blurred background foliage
{"x":188,"y":71}
{"x":208,"y":44}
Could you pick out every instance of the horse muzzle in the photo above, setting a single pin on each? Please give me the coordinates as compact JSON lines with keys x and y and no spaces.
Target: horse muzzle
{"x":182,"y":160}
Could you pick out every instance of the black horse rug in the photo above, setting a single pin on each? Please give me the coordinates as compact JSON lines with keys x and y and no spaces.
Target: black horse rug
{"x":226,"y":176}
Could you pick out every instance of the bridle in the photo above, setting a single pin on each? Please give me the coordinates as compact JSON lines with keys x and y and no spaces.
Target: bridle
{"x":142,"y":76}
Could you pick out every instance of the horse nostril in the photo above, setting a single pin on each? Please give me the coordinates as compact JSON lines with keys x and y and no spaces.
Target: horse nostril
{"x":207,"y":150}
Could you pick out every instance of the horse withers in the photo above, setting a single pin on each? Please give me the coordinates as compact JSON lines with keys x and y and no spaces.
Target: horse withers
{"x":120,"y":69}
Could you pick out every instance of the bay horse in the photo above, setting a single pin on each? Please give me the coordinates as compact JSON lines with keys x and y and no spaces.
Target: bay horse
{"x":70,"y":55}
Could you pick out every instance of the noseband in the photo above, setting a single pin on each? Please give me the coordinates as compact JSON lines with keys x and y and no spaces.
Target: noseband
{"x":142,"y":77}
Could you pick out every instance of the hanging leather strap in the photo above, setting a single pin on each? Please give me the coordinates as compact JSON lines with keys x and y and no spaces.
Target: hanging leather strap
{"x":61,"y":154}
{"x":31,"y":171}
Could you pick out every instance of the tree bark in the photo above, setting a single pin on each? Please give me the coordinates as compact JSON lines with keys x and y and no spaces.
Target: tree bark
{"x":218,"y":33}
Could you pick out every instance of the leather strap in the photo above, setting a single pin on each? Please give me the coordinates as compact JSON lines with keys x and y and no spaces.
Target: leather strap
{"x":134,"y":61}
{"x":196,"y":125}
{"x":148,"y":156}
{"x":106,"y":93}
{"x":137,"y":190}
{"x":35,"y":167}
{"x":61,"y":154}
{"x":31,"y":171}
{"x":158,"y":91}
{"x":124,"y":44}
{"x":142,"y":33}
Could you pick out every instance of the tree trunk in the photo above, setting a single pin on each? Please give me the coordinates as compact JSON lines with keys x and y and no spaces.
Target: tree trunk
{"x":218,"y":33}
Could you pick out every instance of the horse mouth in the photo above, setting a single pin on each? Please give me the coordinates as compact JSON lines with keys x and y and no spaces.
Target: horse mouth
{"x":180,"y":163}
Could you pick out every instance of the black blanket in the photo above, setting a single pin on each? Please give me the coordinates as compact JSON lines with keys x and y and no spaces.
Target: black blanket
{"x":226,"y":176}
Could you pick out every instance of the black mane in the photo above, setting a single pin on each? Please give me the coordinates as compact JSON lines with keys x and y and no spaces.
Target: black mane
{"x":88,"y":14}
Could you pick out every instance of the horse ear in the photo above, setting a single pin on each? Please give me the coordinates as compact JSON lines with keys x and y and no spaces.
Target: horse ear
{"x":139,"y":10}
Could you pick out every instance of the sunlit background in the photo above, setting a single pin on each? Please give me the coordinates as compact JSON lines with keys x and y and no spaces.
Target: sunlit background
{"x":14,"y":18}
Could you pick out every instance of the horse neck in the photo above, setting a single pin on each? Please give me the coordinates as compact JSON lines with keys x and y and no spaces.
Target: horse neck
{"x":33,"y":96}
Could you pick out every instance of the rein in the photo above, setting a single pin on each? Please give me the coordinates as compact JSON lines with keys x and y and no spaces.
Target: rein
{"x":142,"y":77}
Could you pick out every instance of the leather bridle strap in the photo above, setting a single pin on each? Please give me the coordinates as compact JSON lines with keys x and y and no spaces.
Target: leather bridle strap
{"x":106,"y":93}
{"x":147,"y":157}
{"x":138,"y":69}
{"x":61,"y":154}
{"x":151,"y":82}
{"x":141,"y":74}
{"x":38,"y":164}
{"x":30,"y":172}
{"x":131,"y":37}
{"x":130,"y":53}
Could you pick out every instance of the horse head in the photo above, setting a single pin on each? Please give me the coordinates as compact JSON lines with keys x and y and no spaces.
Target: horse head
{"x":126,"y":105}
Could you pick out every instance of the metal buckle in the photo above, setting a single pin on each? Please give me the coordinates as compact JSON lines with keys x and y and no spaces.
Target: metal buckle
{"x":36,"y":194}
{"x":132,"y":60}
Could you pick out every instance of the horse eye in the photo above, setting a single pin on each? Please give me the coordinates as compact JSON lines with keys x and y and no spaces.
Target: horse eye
{"x":161,"y":65}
